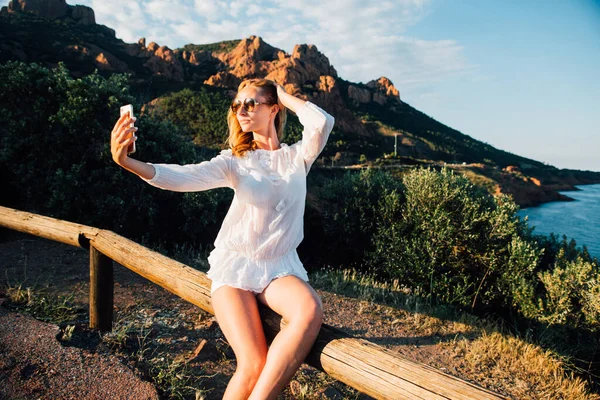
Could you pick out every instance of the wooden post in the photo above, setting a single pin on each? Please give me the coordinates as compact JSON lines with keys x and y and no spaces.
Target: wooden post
{"x":101,"y":290}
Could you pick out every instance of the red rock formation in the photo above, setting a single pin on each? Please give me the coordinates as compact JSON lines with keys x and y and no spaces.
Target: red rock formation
{"x":384,"y":89}
{"x":315,"y":63}
{"x":251,"y":58}
{"x":305,"y":68}
{"x":535,"y":181}
{"x":103,"y":59}
{"x":198,"y":57}
{"x":107,"y":62}
{"x":378,"y":91}
{"x":164,"y":62}
{"x":138,"y":49}
{"x":329,"y":97}
{"x":153,"y":47}
{"x":81,"y":51}
{"x":224,"y":79}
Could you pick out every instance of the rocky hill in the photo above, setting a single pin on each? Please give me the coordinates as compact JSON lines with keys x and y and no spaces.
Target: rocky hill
{"x":370,"y":118}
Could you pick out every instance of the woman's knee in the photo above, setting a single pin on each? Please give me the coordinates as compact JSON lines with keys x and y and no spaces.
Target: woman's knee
{"x":310,"y":315}
{"x":251,"y":367}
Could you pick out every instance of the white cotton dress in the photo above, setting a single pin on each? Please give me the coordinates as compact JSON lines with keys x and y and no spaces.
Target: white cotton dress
{"x":265,"y":223}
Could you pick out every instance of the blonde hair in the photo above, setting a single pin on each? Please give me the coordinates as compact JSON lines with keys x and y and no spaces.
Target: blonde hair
{"x":240,"y":141}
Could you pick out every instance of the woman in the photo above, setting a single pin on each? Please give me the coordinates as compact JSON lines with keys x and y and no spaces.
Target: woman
{"x":255,"y":256}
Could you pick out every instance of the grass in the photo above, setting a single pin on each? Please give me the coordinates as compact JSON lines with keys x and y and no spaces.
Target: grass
{"x":530,"y":371}
{"x":174,"y":379}
{"x":43,"y":305}
{"x":491,"y":356}
{"x":131,"y":339}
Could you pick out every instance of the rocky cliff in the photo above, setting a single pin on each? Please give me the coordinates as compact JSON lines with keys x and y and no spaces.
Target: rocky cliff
{"x":52,"y":9}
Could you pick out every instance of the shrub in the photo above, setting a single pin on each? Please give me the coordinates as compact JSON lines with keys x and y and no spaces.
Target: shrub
{"x":357,"y":205}
{"x":202,"y":114}
{"x":570,"y":294}
{"x":452,"y":242}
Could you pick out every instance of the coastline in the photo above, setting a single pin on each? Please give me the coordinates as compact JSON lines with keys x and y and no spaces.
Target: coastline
{"x":579,"y":220}
{"x":528,"y":187}
{"x":564,"y":198}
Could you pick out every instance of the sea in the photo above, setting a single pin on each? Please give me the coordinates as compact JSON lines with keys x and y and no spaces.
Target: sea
{"x":579,"y":219}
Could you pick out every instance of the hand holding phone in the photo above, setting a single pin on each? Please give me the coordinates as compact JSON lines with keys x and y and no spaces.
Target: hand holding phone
{"x":124,"y":110}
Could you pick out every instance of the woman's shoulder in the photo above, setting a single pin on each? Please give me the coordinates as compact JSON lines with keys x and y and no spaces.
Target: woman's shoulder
{"x":226,"y":153}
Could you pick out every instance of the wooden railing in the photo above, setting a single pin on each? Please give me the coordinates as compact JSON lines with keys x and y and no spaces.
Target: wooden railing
{"x":365,"y":366}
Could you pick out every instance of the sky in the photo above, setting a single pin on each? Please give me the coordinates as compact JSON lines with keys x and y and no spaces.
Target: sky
{"x":521,"y":75}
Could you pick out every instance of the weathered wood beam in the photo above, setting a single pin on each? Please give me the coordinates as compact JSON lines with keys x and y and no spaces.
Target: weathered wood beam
{"x":46,"y":227}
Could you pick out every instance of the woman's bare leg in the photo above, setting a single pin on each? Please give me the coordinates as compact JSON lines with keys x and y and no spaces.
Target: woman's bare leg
{"x":298,"y":303}
{"x":237,"y":313}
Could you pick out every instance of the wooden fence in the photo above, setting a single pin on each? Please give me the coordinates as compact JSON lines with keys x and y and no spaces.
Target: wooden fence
{"x":365,"y":366}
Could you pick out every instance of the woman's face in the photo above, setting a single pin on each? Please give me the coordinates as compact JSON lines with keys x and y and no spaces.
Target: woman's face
{"x":257,"y":120}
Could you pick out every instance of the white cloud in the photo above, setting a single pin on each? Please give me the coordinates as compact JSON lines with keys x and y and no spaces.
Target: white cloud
{"x":172,"y":11}
{"x":128,"y":19}
{"x":209,"y":9}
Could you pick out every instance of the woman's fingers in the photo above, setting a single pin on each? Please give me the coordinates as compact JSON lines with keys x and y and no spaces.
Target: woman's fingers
{"x":124,"y":121}
{"x":125,"y":133}
{"x":122,"y":135}
{"x":119,"y":123}
{"x":120,"y":131}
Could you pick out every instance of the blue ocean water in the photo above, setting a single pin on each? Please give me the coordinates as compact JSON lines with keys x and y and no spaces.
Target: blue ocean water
{"x":579,"y":219}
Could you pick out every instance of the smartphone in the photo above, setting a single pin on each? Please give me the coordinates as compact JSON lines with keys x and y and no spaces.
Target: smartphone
{"x":124,"y":110}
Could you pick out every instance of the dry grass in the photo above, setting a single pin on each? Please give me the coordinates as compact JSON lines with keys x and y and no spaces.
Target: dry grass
{"x":525,"y":370}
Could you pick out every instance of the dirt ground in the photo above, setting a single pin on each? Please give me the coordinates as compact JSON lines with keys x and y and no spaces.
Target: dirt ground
{"x":154,"y":333}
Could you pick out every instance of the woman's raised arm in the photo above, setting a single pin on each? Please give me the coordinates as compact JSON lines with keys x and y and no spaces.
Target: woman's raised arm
{"x":316,"y":122}
{"x":289,"y":101}
{"x":180,"y":178}
{"x":120,"y":138}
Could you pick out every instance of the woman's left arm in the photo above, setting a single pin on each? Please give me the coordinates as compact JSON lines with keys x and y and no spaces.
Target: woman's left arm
{"x":316,"y":122}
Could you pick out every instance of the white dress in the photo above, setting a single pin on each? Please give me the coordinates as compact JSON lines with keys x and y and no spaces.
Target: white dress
{"x":265,"y":223}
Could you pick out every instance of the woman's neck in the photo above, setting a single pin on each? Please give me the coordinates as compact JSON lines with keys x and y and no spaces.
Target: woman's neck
{"x":267,"y":142}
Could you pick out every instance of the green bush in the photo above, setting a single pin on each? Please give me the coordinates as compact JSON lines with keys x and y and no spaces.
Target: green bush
{"x":56,"y":161}
{"x":568,"y":294}
{"x":355,"y":207}
{"x":572,"y":294}
{"x":453,"y":241}
{"x":203,"y":115}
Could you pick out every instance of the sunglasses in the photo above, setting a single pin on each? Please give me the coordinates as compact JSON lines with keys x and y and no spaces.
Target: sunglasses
{"x":249,"y":104}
